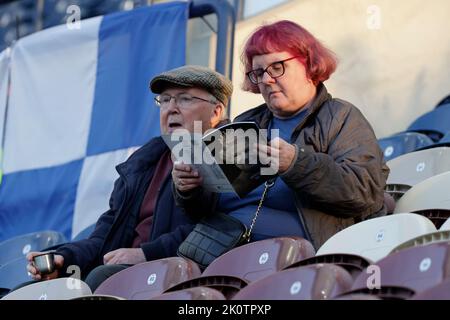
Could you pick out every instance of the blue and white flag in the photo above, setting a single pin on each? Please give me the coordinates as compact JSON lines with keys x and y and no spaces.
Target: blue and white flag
{"x":79,"y":105}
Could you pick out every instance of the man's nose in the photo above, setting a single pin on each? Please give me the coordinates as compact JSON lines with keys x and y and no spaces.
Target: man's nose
{"x":172,"y":105}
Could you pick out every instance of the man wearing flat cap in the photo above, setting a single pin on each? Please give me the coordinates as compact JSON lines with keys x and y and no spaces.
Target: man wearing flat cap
{"x":143,"y":222}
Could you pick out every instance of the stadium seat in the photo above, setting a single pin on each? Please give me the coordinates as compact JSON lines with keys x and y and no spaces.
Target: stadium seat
{"x":256,"y":260}
{"x":373,"y":239}
{"x":352,"y":263}
{"x":314,"y":282}
{"x":383,"y":293}
{"x":429,"y":198}
{"x":85,"y":233}
{"x":435,"y":123}
{"x":196,"y":293}
{"x":414,"y":167}
{"x":429,"y":238}
{"x":445,"y":225}
{"x":19,"y":246}
{"x":416,"y":268}
{"x":146,"y":280}
{"x":357,"y":296}
{"x":57,"y":289}
{"x":402,"y":143}
{"x":14,"y":273}
{"x":438,"y":292}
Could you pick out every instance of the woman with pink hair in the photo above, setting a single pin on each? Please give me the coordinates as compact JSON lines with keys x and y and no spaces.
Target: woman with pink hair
{"x":331,"y":171}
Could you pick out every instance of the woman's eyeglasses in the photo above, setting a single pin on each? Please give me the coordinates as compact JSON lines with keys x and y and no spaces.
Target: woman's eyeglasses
{"x":275,"y":70}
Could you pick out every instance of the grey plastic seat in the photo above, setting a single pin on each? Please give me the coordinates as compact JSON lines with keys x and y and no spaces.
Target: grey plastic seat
{"x":233,"y":270}
{"x":417,"y":268}
{"x":57,"y":289}
{"x":429,"y":238}
{"x":313,"y":282}
{"x":373,"y":239}
{"x":196,"y":293}
{"x":409,"y":169}
{"x":429,"y":198}
{"x":14,"y":273}
{"x":146,"y":280}
{"x":19,"y":246}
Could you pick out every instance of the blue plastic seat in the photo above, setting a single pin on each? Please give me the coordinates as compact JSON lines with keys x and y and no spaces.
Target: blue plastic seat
{"x":19,"y":246}
{"x":85,"y":233}
{"x":434,"y":124}
{"x":444,"y":101}
{"x":402,"y":143}
{"x":14,"y":273}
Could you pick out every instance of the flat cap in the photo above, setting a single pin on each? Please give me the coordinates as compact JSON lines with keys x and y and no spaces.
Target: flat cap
{"x":195,"y":76}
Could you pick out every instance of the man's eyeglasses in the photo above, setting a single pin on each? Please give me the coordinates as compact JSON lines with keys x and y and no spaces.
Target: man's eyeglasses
{"x":182,"y":100}
{"x":275,"y":70}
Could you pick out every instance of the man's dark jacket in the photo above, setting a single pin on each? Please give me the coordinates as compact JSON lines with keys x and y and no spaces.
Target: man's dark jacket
{"x":115,"y":228}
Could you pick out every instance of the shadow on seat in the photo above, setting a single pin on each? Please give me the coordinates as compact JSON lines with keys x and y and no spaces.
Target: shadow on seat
{"x":417,"y":268}
{"x":197,"y":293}
{"x":146,"y":280}
{"x":19,"y":246}
{"x":353,"y":264}
{"x":373,"y":239}
{"x":314,"y":282}
{"x":57,"y":289}
{"x":232,"y":271}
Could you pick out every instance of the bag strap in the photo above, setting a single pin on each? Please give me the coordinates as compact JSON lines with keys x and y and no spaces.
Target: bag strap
{"x":268,"y":184}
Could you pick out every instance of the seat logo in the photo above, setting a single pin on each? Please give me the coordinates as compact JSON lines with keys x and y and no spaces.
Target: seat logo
{"x":296,"y":287}
{"x":388,"y":151}
{"x":151,"y":279}
{"x":425,"y":264}
{"x":380,"y":236}
{"x":420,"y":167}
{"x":43,"y":297}
{"x":263,"y":258}
{"x":26,"y":249}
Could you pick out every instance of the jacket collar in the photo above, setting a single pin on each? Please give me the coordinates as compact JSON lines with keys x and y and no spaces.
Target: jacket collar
{"x":146,"y":156}
{"x":262,"y":115}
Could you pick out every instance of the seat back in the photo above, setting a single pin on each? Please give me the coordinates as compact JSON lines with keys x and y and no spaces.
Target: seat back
{"x":14,"y":273}
{"x":314,"y":282}
{"x":261,"y":258}
{"x":431,"y":193}
{"x":57,"y":289}
{"x":438,"y":292}
{"x":85,"y":233}
{"x":373,"y":239}
{"x":414,"y":167}
{"x":429,"y":238}
{"x":445,"y":225}
{"x":402,"y":143}
{"x":196,"y":293}
{"x":435,"y":123}
{"x":19,"y":246}
{"x":416,"y":268}
{"x":146,"y":280}
{"x":352,"y":263}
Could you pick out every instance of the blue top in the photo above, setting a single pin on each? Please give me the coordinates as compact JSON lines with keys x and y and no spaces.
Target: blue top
{"x":278,"y":216}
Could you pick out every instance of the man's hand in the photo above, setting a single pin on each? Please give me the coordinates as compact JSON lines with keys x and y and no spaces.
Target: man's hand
{"x":185,"y":177}
{"x":58,"y":260}
{"x":124,"y":256}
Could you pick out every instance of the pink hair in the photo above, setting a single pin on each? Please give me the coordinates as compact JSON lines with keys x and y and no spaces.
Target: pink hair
{"x":285,"y":35}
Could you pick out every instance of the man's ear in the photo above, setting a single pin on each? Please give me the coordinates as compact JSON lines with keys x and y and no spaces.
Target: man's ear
{"x":217,"y":114}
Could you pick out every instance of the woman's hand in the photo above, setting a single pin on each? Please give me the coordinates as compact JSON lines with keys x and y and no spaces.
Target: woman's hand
{"x":279,"y":154}
{"x":185,"y":177}
{"x":34,"y":272}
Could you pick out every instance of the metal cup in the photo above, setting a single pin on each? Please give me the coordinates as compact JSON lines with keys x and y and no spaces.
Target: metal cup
{"x":44,"y":262}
